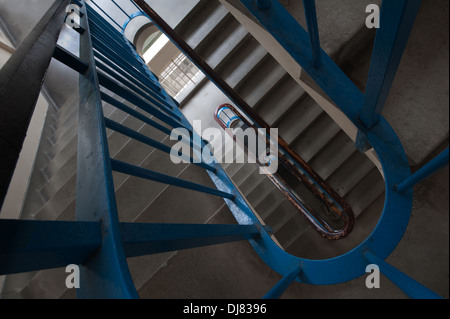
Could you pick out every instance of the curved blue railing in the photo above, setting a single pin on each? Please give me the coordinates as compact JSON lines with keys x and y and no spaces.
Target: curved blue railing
{"x":100,"y":243}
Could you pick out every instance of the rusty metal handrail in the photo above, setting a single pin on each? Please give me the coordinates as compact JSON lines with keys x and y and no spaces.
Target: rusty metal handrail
{"x":237,"y":100}
{"x":317,"y":222}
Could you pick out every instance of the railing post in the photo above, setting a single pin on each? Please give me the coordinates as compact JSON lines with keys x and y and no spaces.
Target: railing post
{"x":313,"y":30}
{"x":281,"y":286}
{"x":105,"y":274}
{"x":429,"y":169}
{"x":396,"y":21}
{"x":21,"y":79}
{"x":409,"y":286}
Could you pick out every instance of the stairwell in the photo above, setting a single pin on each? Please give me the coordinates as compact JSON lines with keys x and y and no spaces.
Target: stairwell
{"x":268,"y":88}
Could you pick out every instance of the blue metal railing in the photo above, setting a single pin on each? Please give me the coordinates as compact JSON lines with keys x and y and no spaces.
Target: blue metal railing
{"x":397,"y":18}
{"x":97,"y":240}
{"x":100,"y":243}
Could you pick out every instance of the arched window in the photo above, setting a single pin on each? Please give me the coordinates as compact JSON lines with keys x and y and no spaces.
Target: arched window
{"x":174,"y":70}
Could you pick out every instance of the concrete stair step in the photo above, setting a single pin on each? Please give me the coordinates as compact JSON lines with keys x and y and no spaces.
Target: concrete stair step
{"x":298,"y":119}
{"x":200,"y":26}
{"x":243,"y":60}
{"x":60,"y":142}
{"x":133,"y":194}
{"x":280,"y":215}
{"x":64,"y":167}
{"x":333,"y":155}
{"x":315,"y":137}
{"x":291,"y":229}
{"x":261,"y":81}
{"x":243,"y":173}
{"x":264,"y":187}
{"x":365,"y":192}
{"x":174,"y":205}
{"x":312,"y":246}
{"x":269,"y":203}
{"x":350,"y":173}
{"x":279,"y":100}
{"x":251,"y":181}
{"x":223,"y":42}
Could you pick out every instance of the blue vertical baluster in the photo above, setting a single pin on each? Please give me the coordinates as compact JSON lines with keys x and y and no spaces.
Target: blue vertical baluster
{"x":106,"y":14}
{"x":429,"y":169}
{"x":410,"y":287}
{"x":120,"y":8}
{"x":281,"y":286}
{"x":313,"y":31}
{"x":105,"y":274}
{"x":396,"y":21}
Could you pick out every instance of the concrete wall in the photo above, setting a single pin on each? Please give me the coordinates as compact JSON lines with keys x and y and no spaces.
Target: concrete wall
{"x":12,"y":205}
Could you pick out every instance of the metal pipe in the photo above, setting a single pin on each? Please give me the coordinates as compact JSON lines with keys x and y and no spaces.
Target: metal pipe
{"x":313,"y":30}
{"x":427,"y":170}
{"x":136,"y":171}
{"x":281,"y":286}
{"x":408,"y":285}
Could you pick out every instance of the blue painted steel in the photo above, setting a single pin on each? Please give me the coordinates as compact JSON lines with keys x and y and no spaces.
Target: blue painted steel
{"x":394,"y":219}
{"x":151,"y":142}
{"x":139,"y":102}
{"x":102,"y":41}
{"x":70,"y":59}
{"x":281,"y":286}
{"x":105,"y":274}
{"x":124,"y":74}
{"x":263,"y":4}
{"x":295,"y":40}
{"x":427,"y":170}
{"x":137,"y":7}
{"x":120,"y":8}
{"x":151,"y":94}
{"x":134,"y":15}
{"x":78,"y":3}
{"x":129,"y":110}
{"x":410,"y":287}
{"x":396,"y":21}
{"x":313,"y":30}
{"x":147,"y":94}
{"x":110,"y":53}
{"x":123,"y":66}
{"x":106,"y":14}
{"x":112,"y":31}
{"x":128,"y":169}
{"x":28,"y":245}
{"x":143,"y":239}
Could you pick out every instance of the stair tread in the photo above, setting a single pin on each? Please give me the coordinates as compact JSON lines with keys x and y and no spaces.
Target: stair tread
{"x":298,"y":119}
{"x":368,"y":189}
{"x":333,"y":155}
{"x":204,"y":26}
{"x":291,"y":229}
{"x":261,"y":81}
{"x":269,"y":203}
{"x":224,"y":46}
{"x":279,"y":100}
{"x":244,"y":61}
{"x":350,"y":173}
{"x":313,"y":139}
